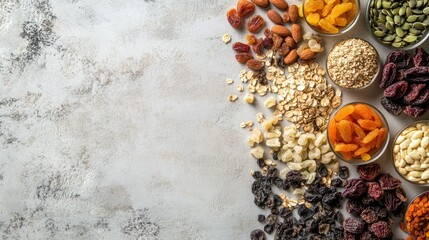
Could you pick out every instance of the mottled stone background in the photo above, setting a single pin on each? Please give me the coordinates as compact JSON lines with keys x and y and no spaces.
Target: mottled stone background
{"x":114,"y":122}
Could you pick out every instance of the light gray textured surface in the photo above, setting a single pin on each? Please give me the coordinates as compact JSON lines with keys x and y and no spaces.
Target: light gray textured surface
{"x":114,"y":122}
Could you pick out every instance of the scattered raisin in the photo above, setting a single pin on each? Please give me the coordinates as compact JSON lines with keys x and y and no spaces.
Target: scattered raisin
{"x":375,"y":191}
{"x":243,"y":57}
{"x":261,"y":218}
{"x":387,"y":182}
{"x":234,"y":20}
{"x":417,"y":74}
{"x":369,"y":172}
{"x":241,"y":47}
{"x":322,"y":170}
{"x":422,"y":98}
{"x":369,"y":216}
{"x":245,"y":8}
{"x":255,"y":24}
{"x":353,"y":225}
{"x":283,"y":50}
{"x":269,"y":228}
{"x":257,"y":234}
{"x":343,"y":172}
{"x":257,"y":47}
{"x":354,"y":206}
{"x":255,"y":64}
{"x":294,"y":178}
{"x":268,"y":43}
{"x":277,"y":42}
{"x":391,"y":201}
{"x":413,"y":92}
{"x":355,"y":188}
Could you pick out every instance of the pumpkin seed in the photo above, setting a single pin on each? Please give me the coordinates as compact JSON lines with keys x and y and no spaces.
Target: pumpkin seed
{"x":388,"y":38}
{"x":390,"y":19}
{"x":408,"y":11}
{"x":395,"y":11}
{"x":378,"y":4}
{"x":410,"y":39}
{"x":402,"y":11}
{"x":379,"y":33}
{"x":412,"y":3}
{"x":419,"y":26}
{"x":397,"y":19}
{"x":398,"y":44}
{"x":394,"y":5}
{"x":417,"y":11}
{"x":389,"y":26}
{"x":419,"y":3}
{"x":382,"y":17}
{"x":406,"y":26}
{"x":397,"y":39}
{"x":426,"y":10}
{"x":421,"y":18}
{"x":414,"y":31}
{"x":386,"y":5}
{"x":400,"y":32}
{"x":411,"y":18}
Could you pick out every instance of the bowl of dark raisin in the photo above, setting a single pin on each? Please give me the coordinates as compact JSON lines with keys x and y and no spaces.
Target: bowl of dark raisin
{"x":358,"y":133}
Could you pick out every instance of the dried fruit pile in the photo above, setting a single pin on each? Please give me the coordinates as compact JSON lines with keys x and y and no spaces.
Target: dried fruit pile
{"x":357,"y":131}
{"x":405,"y":83}
{"x":319,"y":217}
{"x":374,"y":198}
{"x":330,"y":16}
{"x":417,"y":218}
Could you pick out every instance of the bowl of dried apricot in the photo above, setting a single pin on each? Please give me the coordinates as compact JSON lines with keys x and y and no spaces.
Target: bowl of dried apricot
{"x":358,"y":133}
{"x":331,"y":17}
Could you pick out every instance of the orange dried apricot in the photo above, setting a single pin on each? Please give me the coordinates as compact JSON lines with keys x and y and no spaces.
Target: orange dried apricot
{"x":330,"y":19}
{"x":341,"y":22}
{"x":332,"y":130}
{"x":313,"y":18}
{"x":344,"y":112}
{"x":347,"y":155}
{"x":364,"y":111}
{"x":341,"y":147}
{"x":371,"y":136}
{"x":340,"y":9}
{"x":362,"y":150}
{"x":326,"y":26}
{"x":367,"y":124}
{"x":380,"y":138}
{"x":358,"y":130}
{"x":313,"y":5}
{"x":350,"y":15}
{"x":377,"y":119}
{"x":365,"y":157}
{"x":345,"y":130}
{"x":327,"y":9}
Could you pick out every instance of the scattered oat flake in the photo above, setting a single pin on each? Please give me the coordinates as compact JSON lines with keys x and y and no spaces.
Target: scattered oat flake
{"x":240,"y":88}
{"x":226,"y":38}
{"x":232,"y":98}
{"x":249,"y":123}
{"x":243,"y":125}
{"x":229,"y":81}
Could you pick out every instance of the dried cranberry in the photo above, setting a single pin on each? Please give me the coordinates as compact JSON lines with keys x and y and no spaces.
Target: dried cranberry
{"x":387,"y":182}
{"x":368,"y":172}
{"x":400,"y":58}
{"x":381,"y":229}
{"x":413,"y":92}
{"x":414,"y":111}
{"x":355,"y":188}
{"x":417,"y":74}
{"x":257,"y":234}
{"x":421,"y":58}
{"x":396,"y":90}
{"x":391,"y":106}
{"x":353,"y":225}
{"x":375,"y":191}
{"x":388,"y":76}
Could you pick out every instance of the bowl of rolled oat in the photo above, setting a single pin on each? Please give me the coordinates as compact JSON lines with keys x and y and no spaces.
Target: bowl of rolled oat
{"x":353,"y":64}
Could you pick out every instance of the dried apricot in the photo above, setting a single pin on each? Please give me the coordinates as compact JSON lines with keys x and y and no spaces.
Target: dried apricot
{"x":367,"y":124}
{"x":371,"y":136}
{"x":332,"y":131}
{"x":381,"y":137}
{"x":350,"y":15}
{"x":341,"y":147}
{"x":365,"y":157}
{"x":347,"y":155}
{"x":362,"y":150}
{"x":358,"y":130}
{"x":345,"y":130}
{"x":326,"y":26}
{"x":377,"y":119}
{"x":313,"y":5}
{"x":327,"y":9}
{"x":330,"y":20}
{"x":344,"y":112}
{"x":341,"y":22}
{"x":340,"y":9}
{"x":313,"y":18}
{"x":364,"y":111}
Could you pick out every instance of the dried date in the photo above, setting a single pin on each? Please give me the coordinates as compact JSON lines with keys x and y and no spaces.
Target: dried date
{"x":413,"y":111}
{"x":257,"y":47}
{"x":241,"y":47}
{"x":422,"y":99}
{"x":388,"y":75}
{"x":255,"y":24}
{"x":243,"y":57}
{"x":369,"y":172}
{"x":245,"y":8}
{"x":416,"y":74}
{"x":400,"y":58}
{"x":421,"y":58}
{"x":234,"y":20}
{"x":396,"y":90}
{"x":391,"y":106}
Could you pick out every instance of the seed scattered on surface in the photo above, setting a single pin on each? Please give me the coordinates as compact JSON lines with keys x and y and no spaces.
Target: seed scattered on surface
{"x":226,"y":38}
{"x":229,"y":81}
{"x":232,"y":98}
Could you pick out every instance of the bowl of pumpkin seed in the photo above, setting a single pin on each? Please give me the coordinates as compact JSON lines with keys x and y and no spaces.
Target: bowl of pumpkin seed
{"x":398,"y":25}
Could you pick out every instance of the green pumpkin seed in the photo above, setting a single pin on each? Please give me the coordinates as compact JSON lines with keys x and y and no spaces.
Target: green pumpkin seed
{"x":419,"y":26}
{"x":379,"y":33}
{"x":397,"y":39}
{"x":426,"y":22}
{"x":412,"y":3}
{"x":402,"y":11}
{"x":419,"y":3}
{"x":389,"y":26}
{"x":412,"y":18}
{"x":390,"y":19}
{"x":378,"y":5}
{"x":400,"y":32}
{"x":421,"y":18}
{"x":395,"y":11}
{"x":410,"y":39}
{"x":386,"y":5}
{"x":414,"y":31}
{"x":389,"y":38}
{"x":372,"y":4}
{"x":397,"y":20}
{"x":394,"y":5}
{"x":417,"y":11}
{"x":425,"y":2}
{"x":398,"y":44}
{"x":406,"y":26}
{"x":426,"y":10}
{"x":408,"y":12}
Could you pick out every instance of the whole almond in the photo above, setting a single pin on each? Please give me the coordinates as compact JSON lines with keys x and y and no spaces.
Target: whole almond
{"x":293,"y":13}
{"x":261,"y":3}
{"x":275,"y":17}
{"x":286,"y":17}
{"x":280,"y":30}
{"x":307,"y":54}
{"x":280,"y":4}
{"x":290,"y":42}
{"x":296,"y":32}
{"x":291,"y":57}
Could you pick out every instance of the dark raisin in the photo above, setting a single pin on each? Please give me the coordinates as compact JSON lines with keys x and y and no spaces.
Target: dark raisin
{"x":391,"y":201}
{"x":355,"y":188}
{"x":268,"y":43}
{"x":388,"y":76}
{"x":354,"y":206}
{"x":261,"y":163}
{"x":276,"y":155}
{"x":375,"y":191}
{"x":391,"y":106}
{"x":353,"y":225}
{"x":414,"y":111}
{"x":349,"y":236}
{"x":369,"y":172}
{"x":422,"y":98}
{"x":278,"y":182}
{"x":261,"y":218}
{"x":413,"y":92}
{"x":286,"y":185}
{"x":396,"y":90}
{"x":400,"y":58}
{"x":269,"y":228}
{"x":269,"y":203}
{"x":284,"y":212}
{"x":343,"y":172}
{"x":277,"y":200}
{"x":272,"y":172}
{"x":275,"y":211}
{"x":257,"y":175}
{"x":367,"y":236}
{"x":388,"y":182}
{"x":322,"y":170}
{"x":421,"y":58}
{"x":337,"y":182}
{"x":416,"y":74}
{"x":304,"y":212}
{"x":294,"y":178}
{"x":367,"y":200}
{"x":257,"y":234}
{"x":241,"y":47}
{"x":381,"y":229}
{"x":369,"y":216}
{"x":332,"y":199}
{"x":338,"y":216}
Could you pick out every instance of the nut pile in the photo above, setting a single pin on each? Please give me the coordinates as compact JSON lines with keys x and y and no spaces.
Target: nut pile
{"x":411,"y":152}
{"x":374,"y":199}
{"x":352,"y":63}
{"x":405,"y":84}
{"x":399,"y":23}
{"x":416,"y":217}
{"x":330,"y":16}
{"x":356,"y":131}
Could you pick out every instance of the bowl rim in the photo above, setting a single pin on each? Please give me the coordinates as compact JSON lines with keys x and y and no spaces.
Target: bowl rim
{"x":373,"y":79}
{"x":408,"y":206}
{"x":406,"y":48}
{"x":393,"y":154}
{"x":341,"y":31}
{"x":380,"y":151}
